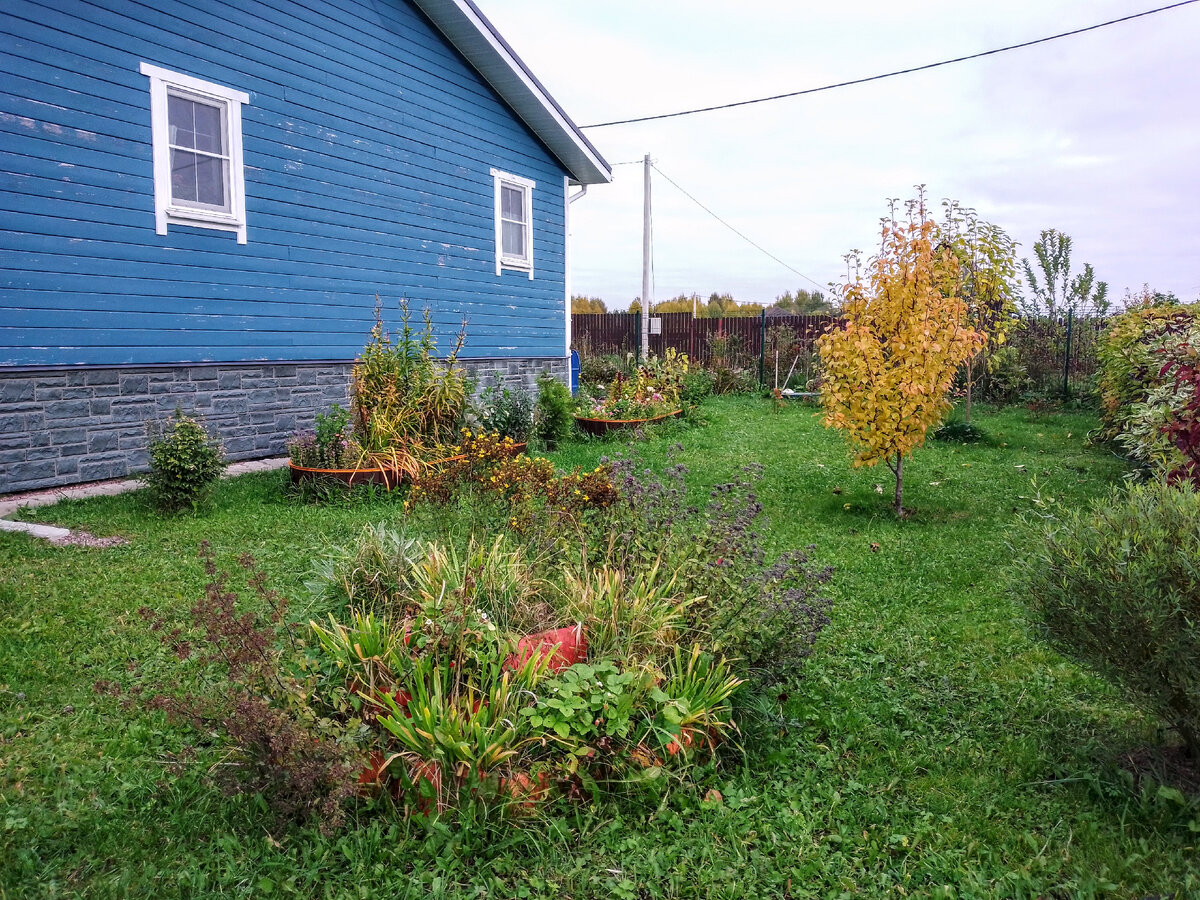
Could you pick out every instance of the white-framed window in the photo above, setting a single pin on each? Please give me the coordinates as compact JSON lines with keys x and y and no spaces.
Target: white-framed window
{"x":514,"y":222}
{"x":196,"y":128}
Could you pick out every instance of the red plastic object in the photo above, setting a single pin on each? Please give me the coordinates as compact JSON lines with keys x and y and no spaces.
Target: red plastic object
{"x":564,"y":646}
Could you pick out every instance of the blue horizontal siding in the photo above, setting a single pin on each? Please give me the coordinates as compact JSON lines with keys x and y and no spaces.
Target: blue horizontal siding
{"x":368,"y":148}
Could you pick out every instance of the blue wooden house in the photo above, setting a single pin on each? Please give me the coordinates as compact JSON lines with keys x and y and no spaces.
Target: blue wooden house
{"x":202,"y":200}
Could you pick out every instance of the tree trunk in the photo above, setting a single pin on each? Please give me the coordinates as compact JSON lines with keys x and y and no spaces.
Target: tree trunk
{"x":899,"y":470}
{"x":970,"y":383}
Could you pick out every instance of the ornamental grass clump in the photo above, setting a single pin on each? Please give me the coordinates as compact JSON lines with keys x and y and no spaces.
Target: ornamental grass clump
{"x":1117,"y":588}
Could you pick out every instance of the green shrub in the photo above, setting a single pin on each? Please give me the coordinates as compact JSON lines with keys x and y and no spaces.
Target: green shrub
{"x":330,"y":445}
{"x":1131,"y":359}
{"x":697,"y":387}
{"x":600,"y":370}
{"x":1118,"y":588}
{"x":1007,"y":376}
{"x":506,"y":411}
{"x":184,"y":465}
{"x":553,"y":416}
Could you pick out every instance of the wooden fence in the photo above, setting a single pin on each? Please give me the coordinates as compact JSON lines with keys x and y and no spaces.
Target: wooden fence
{"x":736,"y":342}
{"x":1058,"y":354}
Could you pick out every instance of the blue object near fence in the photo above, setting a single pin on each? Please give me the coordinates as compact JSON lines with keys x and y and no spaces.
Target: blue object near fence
{"x":574,"y":372}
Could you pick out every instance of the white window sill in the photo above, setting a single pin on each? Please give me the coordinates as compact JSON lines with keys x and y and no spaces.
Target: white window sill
{"x":198,"y":218}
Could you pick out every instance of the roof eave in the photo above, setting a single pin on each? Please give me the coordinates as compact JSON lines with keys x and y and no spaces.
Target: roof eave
{"x":469,"y":31}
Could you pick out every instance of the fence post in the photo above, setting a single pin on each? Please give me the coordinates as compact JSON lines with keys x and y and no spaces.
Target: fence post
{"x":762,"y":346}
{"x":1067,"y":362}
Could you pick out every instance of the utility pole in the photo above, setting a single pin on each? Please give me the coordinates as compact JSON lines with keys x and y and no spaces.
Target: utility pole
{"x":646,"y":258}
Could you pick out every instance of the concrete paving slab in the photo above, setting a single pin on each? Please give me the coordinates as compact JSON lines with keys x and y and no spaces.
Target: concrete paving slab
{"x":33,"y":529}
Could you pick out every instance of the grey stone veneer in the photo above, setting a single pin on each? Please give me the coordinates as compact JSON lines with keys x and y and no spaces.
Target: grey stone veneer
{"x":60,"y":427}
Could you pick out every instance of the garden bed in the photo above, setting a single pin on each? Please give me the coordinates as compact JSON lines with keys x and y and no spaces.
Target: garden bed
{"x":382,"y":476}
{"x":603,"y":426}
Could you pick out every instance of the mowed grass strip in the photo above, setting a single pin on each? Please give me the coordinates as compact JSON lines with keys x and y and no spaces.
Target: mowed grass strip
{"x":934,"y":748}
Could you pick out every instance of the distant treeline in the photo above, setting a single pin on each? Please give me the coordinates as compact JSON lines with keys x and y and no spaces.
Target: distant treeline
{"x":718,"y":306}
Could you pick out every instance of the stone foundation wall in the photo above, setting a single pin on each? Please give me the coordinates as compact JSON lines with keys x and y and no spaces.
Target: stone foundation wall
{"x":60,"y":427}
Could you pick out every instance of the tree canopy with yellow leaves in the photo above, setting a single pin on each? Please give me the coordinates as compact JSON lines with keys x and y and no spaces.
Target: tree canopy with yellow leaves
{"x":888,"y":367}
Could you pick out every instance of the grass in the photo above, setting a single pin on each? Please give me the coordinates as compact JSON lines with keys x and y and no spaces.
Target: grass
{"x":934,"y":748}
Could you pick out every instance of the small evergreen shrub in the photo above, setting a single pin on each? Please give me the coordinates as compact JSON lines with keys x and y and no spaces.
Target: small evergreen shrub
{"x":1117,"y":588}
{"x":554,"y":414}
{"x":185,"y":463}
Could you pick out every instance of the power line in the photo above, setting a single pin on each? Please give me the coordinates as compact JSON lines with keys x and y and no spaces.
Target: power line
{"x":944,"y":62}
{"x":734,"y":230}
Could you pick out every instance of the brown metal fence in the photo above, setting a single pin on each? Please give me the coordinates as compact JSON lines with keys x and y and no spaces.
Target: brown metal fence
{"x":1059,"y":354}
{"x":735,"y":342}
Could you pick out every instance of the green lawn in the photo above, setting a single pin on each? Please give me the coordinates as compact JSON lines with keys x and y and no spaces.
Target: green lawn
{"x":933,"y":749}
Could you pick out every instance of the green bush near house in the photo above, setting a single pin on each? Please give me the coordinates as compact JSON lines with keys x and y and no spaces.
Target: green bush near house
{"x":554,"y":412}
{"x":185,"y":463}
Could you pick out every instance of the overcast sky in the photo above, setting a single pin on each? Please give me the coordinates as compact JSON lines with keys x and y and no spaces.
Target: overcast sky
{"x":1097,"y":135}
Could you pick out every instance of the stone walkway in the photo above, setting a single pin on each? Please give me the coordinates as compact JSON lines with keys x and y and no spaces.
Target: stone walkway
{"x":14,"y":502}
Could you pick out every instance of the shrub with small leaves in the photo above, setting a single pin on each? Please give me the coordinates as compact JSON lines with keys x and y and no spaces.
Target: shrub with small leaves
{"x":185,"y":463}
{"x":507,"y":411}
{"x":554,"y":417}
{"x":600,"y":370}
{"x":697,"y":387}
{"x":1116,"y":587}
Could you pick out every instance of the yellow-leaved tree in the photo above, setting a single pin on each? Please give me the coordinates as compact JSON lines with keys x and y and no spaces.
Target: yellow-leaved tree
{"x":887,"y":368}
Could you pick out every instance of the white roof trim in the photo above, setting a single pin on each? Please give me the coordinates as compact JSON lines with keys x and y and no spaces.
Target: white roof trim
{"x":469,"y":31}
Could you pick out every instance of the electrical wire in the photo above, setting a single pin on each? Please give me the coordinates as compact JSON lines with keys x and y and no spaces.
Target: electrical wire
{"x":734,"y":230}
{"x":927,"y":66}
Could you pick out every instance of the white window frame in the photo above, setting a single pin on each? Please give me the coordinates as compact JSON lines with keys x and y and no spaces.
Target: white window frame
{"x":503,"y":260}
{"x":163,"y":84}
